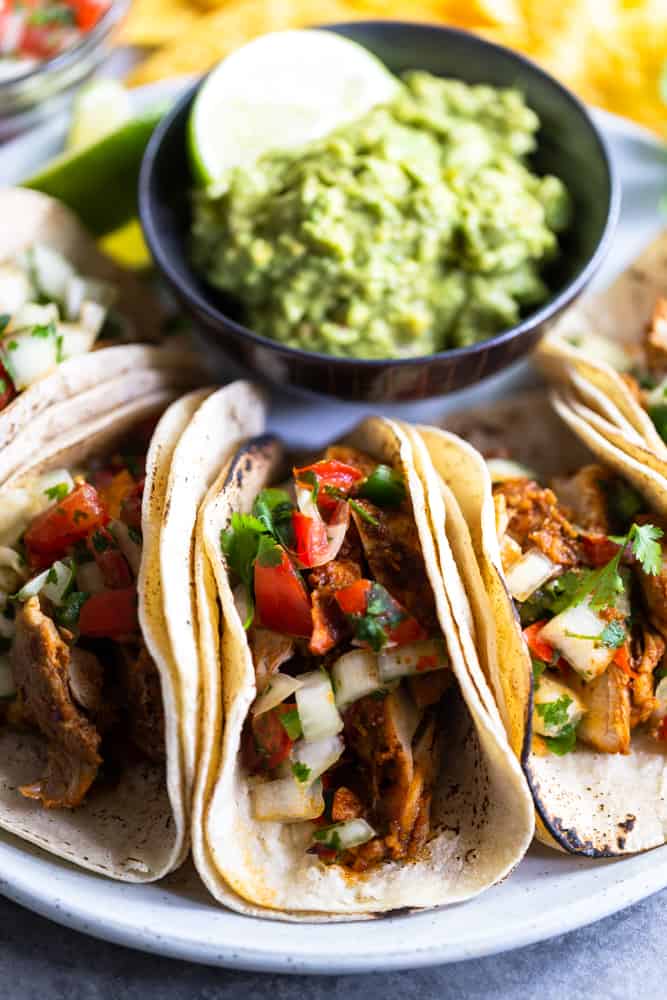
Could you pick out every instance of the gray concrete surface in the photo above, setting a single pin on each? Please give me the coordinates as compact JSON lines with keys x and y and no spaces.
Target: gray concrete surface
{"x":624,"y":955}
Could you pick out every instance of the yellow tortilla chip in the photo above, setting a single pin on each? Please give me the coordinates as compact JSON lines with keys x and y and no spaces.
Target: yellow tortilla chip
{"x":151,"y":23}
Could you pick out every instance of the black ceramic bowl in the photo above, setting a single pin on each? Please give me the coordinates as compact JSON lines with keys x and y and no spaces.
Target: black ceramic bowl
{"x":569,"y":145}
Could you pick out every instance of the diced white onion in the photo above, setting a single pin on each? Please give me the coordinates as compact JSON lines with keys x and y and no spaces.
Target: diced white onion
{"x":32,"y":587}
{"x":355,"y":675}
{"x":585,"y":655}
{"x":92,"y":317}
{"x":280,"y":687}
{"x":89,"y":579}
{"x":127,"y":545}
{"x":76,"y":340}
{"x":32,"y":314}
{"x":413,"y":658}
{"x":317,"y":707}
{"x":502,"y":469}
{"x":61,"y":577}
{"x":549,"y":690}
{"x":28,"y":358}
{"x":528,"y":573}
{"x":287,"y":800}
{"x":318,"y":757}
{"x":57,"y":477}
{"x":50,"y":271}
{"x":344,"y":836}
{"x":7,"y":685}
{"x":15,"y":289}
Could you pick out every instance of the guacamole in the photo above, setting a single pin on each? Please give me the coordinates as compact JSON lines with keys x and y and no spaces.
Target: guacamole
{"x":414,"y":229}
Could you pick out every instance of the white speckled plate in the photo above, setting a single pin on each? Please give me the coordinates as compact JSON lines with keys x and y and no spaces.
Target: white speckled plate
{"x":548,"y":894}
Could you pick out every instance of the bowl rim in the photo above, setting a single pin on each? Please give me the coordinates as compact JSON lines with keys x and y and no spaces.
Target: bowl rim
{"x":45,"y":67}
{"x":553,"y":305}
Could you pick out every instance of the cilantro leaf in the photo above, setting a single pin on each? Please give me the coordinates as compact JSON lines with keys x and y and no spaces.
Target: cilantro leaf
{"x":300,"y":771}
{"x":564,"y":743}
{"x":269,"y":553}
{"x":539,"y":666}
{"x":4,"y":321}
{"x":57,"y":492}
{"x":239,"y":544}
{"x":44,"y":331}
{"x":644,"y":540}
{"x":291,"y":723}
{"x":274,"y":509}
{"x":68,"y":612}
{"x":554,"y":713}
{"x":613,"y":635}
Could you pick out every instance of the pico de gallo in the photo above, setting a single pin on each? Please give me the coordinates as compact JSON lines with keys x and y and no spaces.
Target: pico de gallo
{"x":350,"y":663}
{"x":585,"y":564}
{"x":48,"y":313}
{"x":34,"y":30}
{"x":73,"y":665}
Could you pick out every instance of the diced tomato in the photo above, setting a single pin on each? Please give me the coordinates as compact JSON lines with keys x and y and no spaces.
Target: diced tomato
{"x":599,"y":549}
{"x":62,"y":525}
{"x":272,"y":741}
{"x":130,"y":508}
{"x":622,"y":659}
{"x":282,"y":601}
{"x":329,"y":473}
{"x":353,"y":600}
{"x":407,"y":630}
{"x":310,"y":539}
{"x":7,"y":391}
{"x":88,"y":12}
{"x":39,"y":40}
{"x":539,"y":647}
{"x":111,"y":614}
{"x":111,"y":561}
{"x":427,"y":662}
{"x":114,"y":490}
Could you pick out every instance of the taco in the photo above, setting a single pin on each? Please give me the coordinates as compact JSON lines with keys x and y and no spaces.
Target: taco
{"x":90,"y":755}
{"x":62,"y":307}
{"x":349,"y":764}
{"x":572,"y":557}
{"x":612,"y":351}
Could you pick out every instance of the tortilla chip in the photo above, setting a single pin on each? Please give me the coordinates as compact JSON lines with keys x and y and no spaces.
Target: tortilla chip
{"x":151,"y":23}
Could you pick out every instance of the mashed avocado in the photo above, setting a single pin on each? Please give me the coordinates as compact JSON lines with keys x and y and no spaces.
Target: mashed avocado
{"x":415,"y":229}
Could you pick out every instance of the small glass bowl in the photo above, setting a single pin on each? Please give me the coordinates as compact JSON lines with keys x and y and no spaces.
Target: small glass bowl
{"x":48,"y":86}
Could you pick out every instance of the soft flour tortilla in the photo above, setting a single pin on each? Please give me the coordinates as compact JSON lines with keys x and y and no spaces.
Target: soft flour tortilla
{"x":84,"y":388}
{"x":482,"y":811}
{"x":29,"y":217}
{"x":135,"y":831}
{"x":215,"y":431}
{"x":620,"y":314}
{"x":598,"y":805}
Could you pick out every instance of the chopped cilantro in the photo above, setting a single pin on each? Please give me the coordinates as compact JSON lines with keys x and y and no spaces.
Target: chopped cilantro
{"x":4,"y":321}
{"x":239,"y":544}
{"x":52,"y":576}
{"x":44,"y":331}
{"x":68,"y":612}
{"x":135,"y":535}
{"x":269,"y":553}
{"x":539,"y":666}
{"x":564,"y":743}
{"x":381,"y":615}
{"x":364,"y":514}
{"x":60,"y":355}
{"x":57,"y":14}
{"x":329,"y":836}
{"x":644,"y":540}
{"x":613,"y":635}
{"x":300,"y":771}
{"x":554,"y":713}
{"x":100,"y":542}
{"x":291,"y":723}
{"x":12,"y":345}
{"x":273,"y":508}
{"x":57,"y":492}
{"x":4,"y":385}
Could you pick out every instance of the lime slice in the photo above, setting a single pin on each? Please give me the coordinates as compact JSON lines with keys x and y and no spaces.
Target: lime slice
{"x":280,"y":91}
{"x":99,"y":181}
{"x":100,"y":107}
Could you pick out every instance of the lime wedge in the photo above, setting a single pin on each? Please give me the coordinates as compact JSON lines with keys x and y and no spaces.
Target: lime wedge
{"x":278,"y":92}
{"x":100,"y":107}
{"x":99,"y":181}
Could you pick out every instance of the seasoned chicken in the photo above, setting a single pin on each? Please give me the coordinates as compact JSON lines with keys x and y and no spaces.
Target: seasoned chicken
{"x":584,"y":494}
{"x":606,"y":724}
{"x":643,"y":700}
{"x":534,"y":516}
{"x":329,"y":623}
{"x":394,"y":555}
{"x":41,"y":664}
{"x":351,"y":456}
{"x":143,"y":695}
